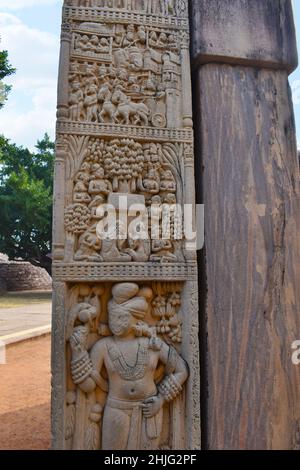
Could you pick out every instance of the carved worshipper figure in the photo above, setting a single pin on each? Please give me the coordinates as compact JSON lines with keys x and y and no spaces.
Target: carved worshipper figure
{"x":91,"y":102}
{"x":74,"y":72}
{"x":98,"y":185}
{"x":133,"y":411}
{"x":172,"y":40}
{"x":76,"y":99}
{"x":162,"y":250}
{"x":89,"y":246}
{"x":168,"y":182}
{"x":162,"y":40}
{"x":80,"y":193}
{"x":129,"y":38}
{"x":139,"y":250}
{"x":153,"y":39}
{"x":151,"y":183}
{"x":90,"y":76}
{"x":104,"y":45}
{"x":119,"y":35}
{"x":141,"y":34}
{"x":114,"y":251}
{"x":82,"y":44}
{"x":94,"y":43}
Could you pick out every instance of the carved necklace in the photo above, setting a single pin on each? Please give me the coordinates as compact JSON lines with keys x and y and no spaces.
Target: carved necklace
{"x":126,"y":371}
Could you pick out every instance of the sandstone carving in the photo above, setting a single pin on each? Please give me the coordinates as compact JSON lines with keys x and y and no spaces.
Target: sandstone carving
{"x":124,"y":167}
{"x":126,"y":358}
{"x":136,"y":390}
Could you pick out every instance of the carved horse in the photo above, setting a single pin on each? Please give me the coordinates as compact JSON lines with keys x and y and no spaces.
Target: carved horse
{"x":108,"y":108}
{"x":128,"y":110}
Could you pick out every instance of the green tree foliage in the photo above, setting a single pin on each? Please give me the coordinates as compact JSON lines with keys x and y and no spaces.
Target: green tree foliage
{"x":26,"y":180}
{"x":5,"y":70}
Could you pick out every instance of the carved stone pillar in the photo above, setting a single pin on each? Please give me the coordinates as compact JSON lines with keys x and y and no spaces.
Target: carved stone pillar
{"x":58,"y":366}
{"x":64,"y":64}
{"x":186,"y":80}
{"x":59,"y":199}
{"x":248,"y":173}
{"x":125,"y":319}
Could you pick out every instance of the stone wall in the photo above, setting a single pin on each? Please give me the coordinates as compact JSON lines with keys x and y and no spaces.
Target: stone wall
{"x":20,"y":276}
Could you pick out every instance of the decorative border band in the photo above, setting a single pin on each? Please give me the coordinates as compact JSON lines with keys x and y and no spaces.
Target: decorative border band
{"x":98,"y":15}
{"x":82,"y":272}
{"x":135,"y":132}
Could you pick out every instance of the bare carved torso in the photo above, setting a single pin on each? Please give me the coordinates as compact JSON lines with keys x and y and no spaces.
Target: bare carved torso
{"x":131,"y":375}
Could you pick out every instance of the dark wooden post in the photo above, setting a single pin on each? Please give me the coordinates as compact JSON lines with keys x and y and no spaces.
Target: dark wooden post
{"x":248,"y":175}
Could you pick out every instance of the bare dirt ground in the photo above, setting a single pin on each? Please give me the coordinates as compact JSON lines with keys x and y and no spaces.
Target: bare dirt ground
{"x":25,"y":396}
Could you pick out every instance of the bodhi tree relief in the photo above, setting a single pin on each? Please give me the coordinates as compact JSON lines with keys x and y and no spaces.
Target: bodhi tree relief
{"x":125,"y":362}
{"x":123,"y":167}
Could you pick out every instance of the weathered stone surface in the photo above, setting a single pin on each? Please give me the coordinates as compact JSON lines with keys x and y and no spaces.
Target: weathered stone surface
{"x":125,"y":355}
{"x":250,"y":178}
{"x":22,"y":276}
{"x":248,"y":172}
{"x":256,"y":32}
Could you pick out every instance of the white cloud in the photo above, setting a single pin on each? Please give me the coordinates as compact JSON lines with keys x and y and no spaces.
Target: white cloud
{"x":27,"y":127}
{"x":30,"y":109}
{"x":21,"y":4}
{"x":295,"y":86}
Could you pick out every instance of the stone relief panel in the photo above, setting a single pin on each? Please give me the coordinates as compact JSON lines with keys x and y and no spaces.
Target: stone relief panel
{"x":149,"y":174}
{"x":125,"y":371}
{"x":129,"y":75}
{"x":124,"y":130}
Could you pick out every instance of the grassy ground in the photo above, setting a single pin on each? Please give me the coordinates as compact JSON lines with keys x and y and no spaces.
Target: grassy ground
{"x":18,"y":299}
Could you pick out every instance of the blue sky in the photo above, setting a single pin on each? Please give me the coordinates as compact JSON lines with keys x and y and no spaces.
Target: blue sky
{"x":30,"y":30}
{"x":295,"y":77}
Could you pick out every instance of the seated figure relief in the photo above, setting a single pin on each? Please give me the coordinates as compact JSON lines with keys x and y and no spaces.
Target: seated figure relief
{"x":98,"y":185}
{"x":124,"y":167}
{"x":91,"y":44}
{"x":89,"y":246}
{"x":138,"y":373}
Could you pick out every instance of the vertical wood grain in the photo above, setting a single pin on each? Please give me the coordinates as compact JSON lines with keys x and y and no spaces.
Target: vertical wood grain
{"x":250,"y":184}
